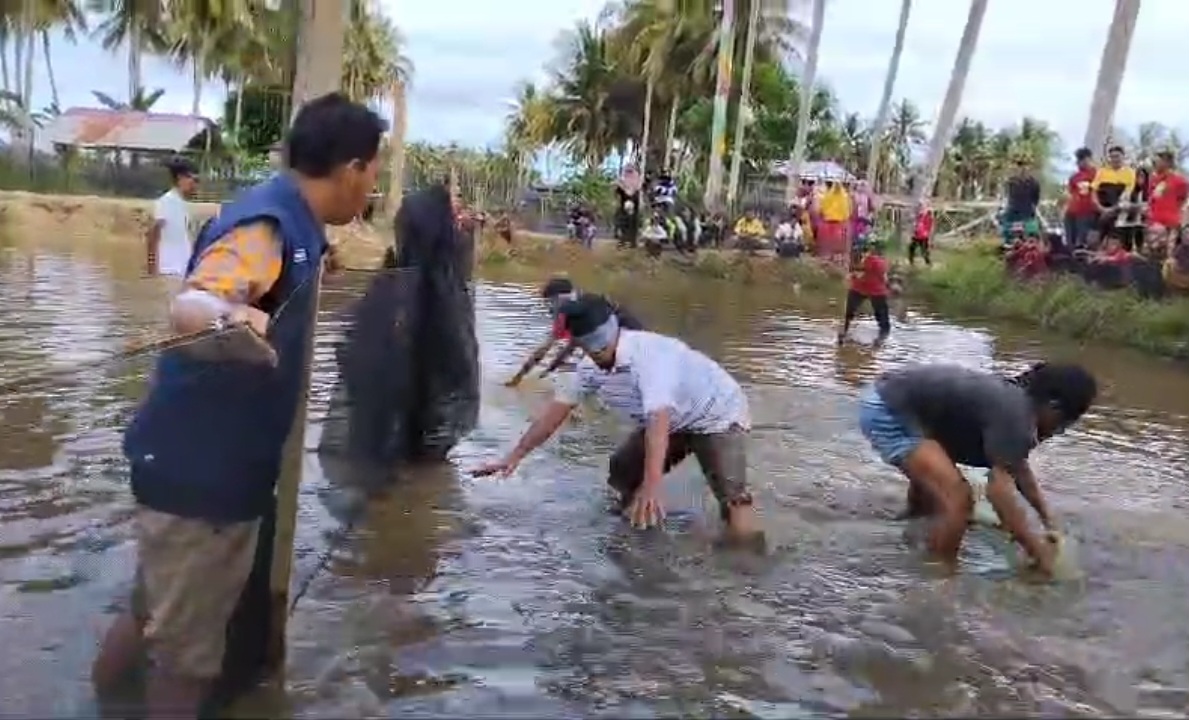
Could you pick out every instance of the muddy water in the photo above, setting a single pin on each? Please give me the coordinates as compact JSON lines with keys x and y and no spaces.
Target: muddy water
{"x":524,"y":598}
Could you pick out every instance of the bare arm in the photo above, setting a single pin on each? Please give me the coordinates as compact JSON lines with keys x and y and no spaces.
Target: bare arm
{"x":152,"y":241}
{"x":1001,"y":493}
{"x":542,"y":428}
{"x":1030,"y":489}
{"x":561,"y":357}
{"x":656,"y":447}
{"x":533,"y":359}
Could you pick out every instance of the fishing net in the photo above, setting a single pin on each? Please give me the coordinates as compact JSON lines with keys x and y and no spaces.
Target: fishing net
{"x":408,"y":386}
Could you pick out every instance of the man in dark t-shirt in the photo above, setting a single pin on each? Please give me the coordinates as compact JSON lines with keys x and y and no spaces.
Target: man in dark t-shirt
{"x":927,"y":419}
{"x":556,"y":292}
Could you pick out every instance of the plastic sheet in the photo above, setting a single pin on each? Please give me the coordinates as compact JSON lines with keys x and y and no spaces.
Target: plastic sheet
{"x":408,"y":385}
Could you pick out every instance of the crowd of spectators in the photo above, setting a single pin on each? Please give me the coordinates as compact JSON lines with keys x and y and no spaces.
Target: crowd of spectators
{"x":1123,"y":226}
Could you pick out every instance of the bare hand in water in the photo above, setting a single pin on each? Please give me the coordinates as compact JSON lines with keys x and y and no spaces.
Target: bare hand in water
{"x":502,"y":467}
{"x":646,"y":509}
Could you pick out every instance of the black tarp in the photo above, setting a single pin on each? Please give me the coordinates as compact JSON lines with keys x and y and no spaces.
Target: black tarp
{"x":408,"y":386}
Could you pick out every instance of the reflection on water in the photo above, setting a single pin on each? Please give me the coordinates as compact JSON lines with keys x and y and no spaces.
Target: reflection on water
{"x":445,"y":596}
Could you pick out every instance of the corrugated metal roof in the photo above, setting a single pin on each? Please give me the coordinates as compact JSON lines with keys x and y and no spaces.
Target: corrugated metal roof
{"x":815,"y":170}
{"x":126,"y":130}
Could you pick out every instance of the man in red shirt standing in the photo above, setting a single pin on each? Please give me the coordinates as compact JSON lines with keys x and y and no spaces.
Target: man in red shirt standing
{"x":868,"y":282}
{"x":1080,"y":212}
{"x":1167,"y":193}
{"x":922,"y":234}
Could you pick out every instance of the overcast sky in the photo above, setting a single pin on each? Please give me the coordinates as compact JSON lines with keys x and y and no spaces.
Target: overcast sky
{"x":1036,"y":57}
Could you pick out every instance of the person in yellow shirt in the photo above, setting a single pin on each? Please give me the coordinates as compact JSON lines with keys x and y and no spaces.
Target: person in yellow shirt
{"x":1112,"y":185}
{"x":750,"y":226}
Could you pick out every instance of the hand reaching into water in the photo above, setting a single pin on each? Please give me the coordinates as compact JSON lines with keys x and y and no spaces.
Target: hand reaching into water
{"x":501,"y":468}
{"x":646,"y":508}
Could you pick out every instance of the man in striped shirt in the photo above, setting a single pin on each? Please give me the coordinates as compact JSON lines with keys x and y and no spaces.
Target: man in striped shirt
{"x":682,"y":402}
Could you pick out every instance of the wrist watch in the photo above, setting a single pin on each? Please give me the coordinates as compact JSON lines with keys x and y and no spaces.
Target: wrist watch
{"x":221,"y":323}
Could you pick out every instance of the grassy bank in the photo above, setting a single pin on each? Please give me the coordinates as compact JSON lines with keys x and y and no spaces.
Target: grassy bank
{"x":968,"y":282}
{"x":972,"y":283}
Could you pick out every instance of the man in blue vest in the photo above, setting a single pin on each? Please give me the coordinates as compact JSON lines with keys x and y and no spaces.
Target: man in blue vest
{"x":205,"y":446}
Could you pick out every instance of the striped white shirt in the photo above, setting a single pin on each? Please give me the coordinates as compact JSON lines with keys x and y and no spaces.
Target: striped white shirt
{"x":654,"y":372}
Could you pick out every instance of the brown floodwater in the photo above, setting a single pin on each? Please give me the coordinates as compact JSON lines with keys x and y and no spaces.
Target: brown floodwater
{"x":456,"y":597}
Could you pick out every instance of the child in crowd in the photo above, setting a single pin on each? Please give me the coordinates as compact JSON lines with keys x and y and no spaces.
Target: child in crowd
{"x":922,"y":234}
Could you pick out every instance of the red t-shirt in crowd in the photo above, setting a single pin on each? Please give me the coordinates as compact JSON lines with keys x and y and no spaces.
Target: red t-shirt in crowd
{"x":1118,"y":256}
{"x":871,"y":277}
{"x":1081,"y":194}
{"x":1167,"y":192}
{"x":923,"y":230}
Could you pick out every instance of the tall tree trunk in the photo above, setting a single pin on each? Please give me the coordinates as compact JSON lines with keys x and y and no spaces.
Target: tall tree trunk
{"x":953,"y":100}
{"x":885,"y":100}
{"x":808,"y":81}
{"x":239,"y":105}
{"x":396,"y":147}
{"x":30,"y":47}
{"x":133,"y":63}
{"x":4,"y":40}
{"x":49,"y":68}
{"x":749,"y":51}
{"x":196,"y":103}
{"x":671,"y":136}
{"x":648,"y":95}
{"x":1110,"y":74}
{"x":722,"y":94}
{"x":320,"y":43}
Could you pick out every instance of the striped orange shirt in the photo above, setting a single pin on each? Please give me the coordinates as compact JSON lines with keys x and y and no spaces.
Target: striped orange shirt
{"x":242,"y":266}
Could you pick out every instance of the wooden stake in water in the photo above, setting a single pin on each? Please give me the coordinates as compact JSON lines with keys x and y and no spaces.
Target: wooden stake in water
{"x":288,"y":489}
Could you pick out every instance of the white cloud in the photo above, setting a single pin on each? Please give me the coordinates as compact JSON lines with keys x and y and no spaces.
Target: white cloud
{"x":1035,"y":57}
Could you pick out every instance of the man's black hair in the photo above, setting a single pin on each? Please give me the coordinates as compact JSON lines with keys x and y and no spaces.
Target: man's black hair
{"x":557,"y":286}
{"x":1115,"y":148}
{"x":331,"y":131}
{"x":1070,"y":388}
{"x":585,"y":314}
{"x":180,"y":167}
{"x":1083,"y":153}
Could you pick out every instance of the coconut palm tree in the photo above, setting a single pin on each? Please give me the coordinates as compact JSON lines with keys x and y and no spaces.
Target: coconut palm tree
{"x":138,"y":24}
{"x":1110,"y":73}
{"x":953,"y":99}
{"x":889,"y":84}
{"x":741,"y":115}
{"x":808,"y":78}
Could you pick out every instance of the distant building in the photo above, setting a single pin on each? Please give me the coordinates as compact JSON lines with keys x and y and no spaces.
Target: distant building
{"x":131,"y":131}
{"x":815,"y":170}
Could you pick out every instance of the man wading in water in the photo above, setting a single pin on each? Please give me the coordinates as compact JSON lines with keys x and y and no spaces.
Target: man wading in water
{"x":556,"y":292}
{"x":682,"y":402}
{"x":925,"y":419}
{"x":205,"y":445}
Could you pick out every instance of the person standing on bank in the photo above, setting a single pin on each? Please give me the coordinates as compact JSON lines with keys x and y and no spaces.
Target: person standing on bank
{"x":170,"y":240}
{"x":681,"y":401}
{"x":205,"y":445}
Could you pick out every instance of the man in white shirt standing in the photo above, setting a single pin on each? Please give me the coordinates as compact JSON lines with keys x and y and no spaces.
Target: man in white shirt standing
{"x":682,"y":402}
{"x":171,"y":238}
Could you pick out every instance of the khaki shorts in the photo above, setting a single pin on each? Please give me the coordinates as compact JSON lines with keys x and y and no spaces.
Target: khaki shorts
{"x":188,"y":584}
{"x":723,"y":457}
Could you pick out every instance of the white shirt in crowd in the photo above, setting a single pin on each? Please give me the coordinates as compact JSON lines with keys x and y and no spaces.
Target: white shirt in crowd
{"x":653,"y":372}
{"x":788,"y":231}
{"x":177,"y":236}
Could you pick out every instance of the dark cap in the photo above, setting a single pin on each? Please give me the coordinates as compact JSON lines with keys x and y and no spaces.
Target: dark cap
{"x":557,"y":286}
{"x":586,"y":314}
{"x":180,"y":167}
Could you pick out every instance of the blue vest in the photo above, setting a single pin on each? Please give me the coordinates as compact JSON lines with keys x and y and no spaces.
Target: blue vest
{"x":206,"y":443}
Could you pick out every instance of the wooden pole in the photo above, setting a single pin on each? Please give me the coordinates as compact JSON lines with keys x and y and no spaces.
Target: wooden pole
{"x":319,"y":71}
{"x":256,"y":632}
